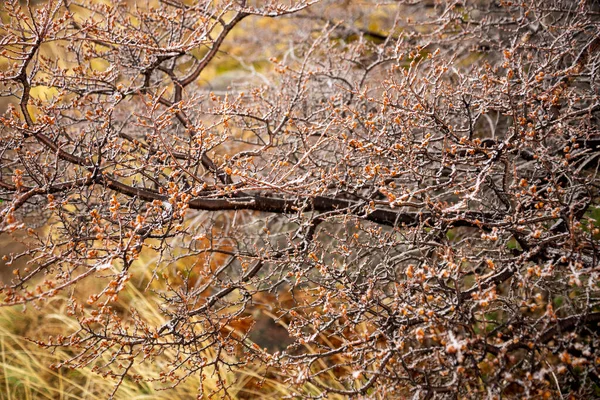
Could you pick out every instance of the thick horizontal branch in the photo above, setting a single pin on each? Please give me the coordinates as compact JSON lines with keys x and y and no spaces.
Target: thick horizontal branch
{"x":280,"y":205}
{"x":323,"y":204}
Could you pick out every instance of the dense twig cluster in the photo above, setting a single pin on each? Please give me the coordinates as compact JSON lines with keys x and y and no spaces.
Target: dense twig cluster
{"x":410,"y":188}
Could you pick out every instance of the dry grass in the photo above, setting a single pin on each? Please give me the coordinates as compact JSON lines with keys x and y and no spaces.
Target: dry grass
{"x":26,"y":373}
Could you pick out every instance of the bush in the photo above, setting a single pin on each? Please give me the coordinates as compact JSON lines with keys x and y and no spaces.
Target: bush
{"x":395,"y":199}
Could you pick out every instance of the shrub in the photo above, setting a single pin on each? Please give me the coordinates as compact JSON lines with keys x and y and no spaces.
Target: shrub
{"x":395,"y":199}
